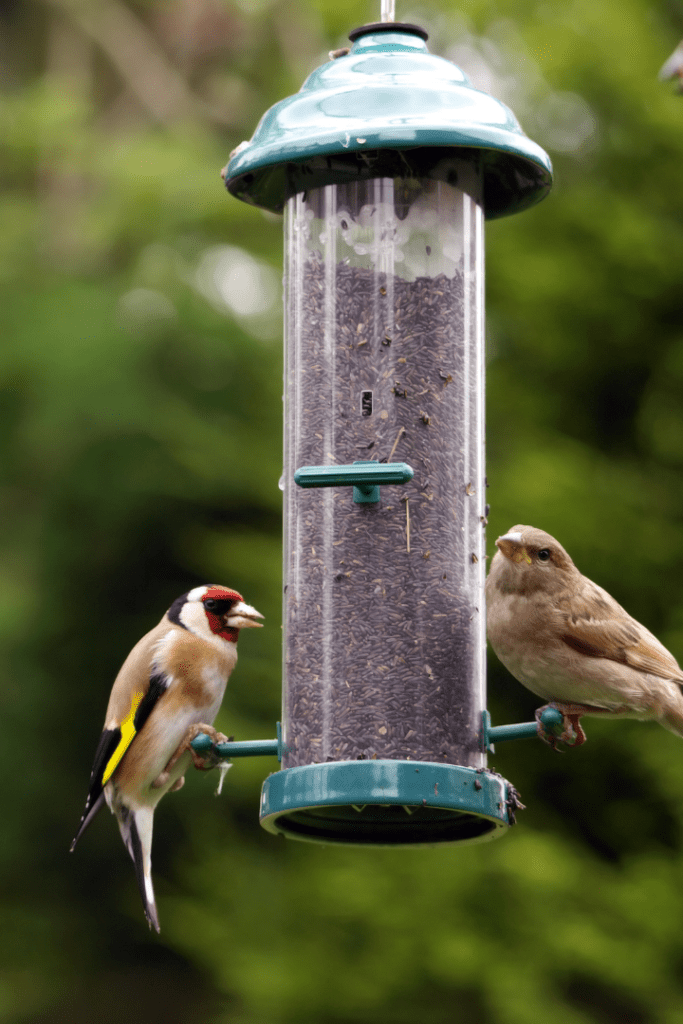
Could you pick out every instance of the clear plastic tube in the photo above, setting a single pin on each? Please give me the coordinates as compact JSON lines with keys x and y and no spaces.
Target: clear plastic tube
{"x":384,"y":649}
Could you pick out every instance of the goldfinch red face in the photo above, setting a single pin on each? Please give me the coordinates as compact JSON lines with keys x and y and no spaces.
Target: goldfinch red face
{"x":217,"y":610}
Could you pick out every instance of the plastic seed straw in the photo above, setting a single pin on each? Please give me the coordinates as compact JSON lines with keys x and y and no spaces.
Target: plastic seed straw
{"x":408,"y":525}
{"x":398,"y":438}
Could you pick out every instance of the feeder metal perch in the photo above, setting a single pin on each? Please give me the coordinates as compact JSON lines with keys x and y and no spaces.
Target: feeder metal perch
{"x":551,"y":719}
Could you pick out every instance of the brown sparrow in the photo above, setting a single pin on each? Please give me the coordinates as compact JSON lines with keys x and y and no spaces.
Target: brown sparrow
{"x":567,"y":640}
{"x":673,"y":67}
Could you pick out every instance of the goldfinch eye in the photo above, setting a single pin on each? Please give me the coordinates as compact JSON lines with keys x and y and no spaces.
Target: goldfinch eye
{"x":543,"y":555}
{"x":210,"y":604}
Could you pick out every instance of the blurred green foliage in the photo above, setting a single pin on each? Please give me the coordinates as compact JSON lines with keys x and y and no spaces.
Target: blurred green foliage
{"x":140,"y":368}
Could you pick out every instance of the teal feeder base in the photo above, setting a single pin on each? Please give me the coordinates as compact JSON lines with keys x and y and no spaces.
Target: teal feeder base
{"x":387,"y":803}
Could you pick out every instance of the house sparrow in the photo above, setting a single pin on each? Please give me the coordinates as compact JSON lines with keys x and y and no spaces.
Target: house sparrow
{"x":673,"y":67}
{"x":568,"y":641}
{"x":168,"y":690}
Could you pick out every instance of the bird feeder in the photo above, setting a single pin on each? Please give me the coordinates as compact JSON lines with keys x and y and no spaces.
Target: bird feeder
{"x":386,"y":164}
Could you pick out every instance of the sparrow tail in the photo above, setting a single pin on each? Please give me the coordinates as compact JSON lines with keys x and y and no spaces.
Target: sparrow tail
{"x":671,"y":716}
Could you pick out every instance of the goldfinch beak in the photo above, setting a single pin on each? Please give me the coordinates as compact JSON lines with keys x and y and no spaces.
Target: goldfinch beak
{"x":511,"y":546}
{"x":242,"y":615}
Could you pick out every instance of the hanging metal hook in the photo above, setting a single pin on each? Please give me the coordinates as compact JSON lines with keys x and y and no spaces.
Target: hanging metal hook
{"x":388,"y":10}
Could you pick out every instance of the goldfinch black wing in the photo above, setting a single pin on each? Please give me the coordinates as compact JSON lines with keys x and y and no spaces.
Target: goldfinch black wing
{"x":114,"y":743}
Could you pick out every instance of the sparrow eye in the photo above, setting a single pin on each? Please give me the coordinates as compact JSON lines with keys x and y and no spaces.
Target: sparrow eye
{"x":543,"y":555}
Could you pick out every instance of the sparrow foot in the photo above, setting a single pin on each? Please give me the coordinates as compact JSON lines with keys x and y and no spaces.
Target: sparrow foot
{"x":572,"y":732}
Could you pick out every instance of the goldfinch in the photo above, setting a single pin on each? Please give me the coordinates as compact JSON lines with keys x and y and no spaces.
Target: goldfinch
{"x":568,"y":641}
{"x":168,"y":690}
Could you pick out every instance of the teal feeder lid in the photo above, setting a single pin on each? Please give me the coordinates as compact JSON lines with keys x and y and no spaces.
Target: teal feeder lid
{"x":388,"y":107}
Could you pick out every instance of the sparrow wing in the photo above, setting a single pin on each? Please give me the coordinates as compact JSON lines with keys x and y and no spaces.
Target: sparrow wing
{"x":595,"y":625}
{"x":673,"y":66}
{"x":115,"y":741}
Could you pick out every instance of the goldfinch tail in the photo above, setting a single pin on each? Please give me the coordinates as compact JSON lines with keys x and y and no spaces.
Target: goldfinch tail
{"x":136,"y":830}
{"x":88,"y":815}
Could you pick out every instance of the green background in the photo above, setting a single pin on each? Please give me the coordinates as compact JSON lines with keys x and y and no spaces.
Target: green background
{"x":140,"y":366}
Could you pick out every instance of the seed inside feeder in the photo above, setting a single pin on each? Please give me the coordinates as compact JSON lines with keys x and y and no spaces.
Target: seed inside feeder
{"x":384,"y":618}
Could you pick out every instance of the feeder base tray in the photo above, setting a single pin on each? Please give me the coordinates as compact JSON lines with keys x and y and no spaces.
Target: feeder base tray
{"x":385,"y":803}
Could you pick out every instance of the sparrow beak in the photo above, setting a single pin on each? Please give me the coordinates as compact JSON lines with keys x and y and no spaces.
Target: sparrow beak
{"x":242,"y":615}
{"x":511,"y":546}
